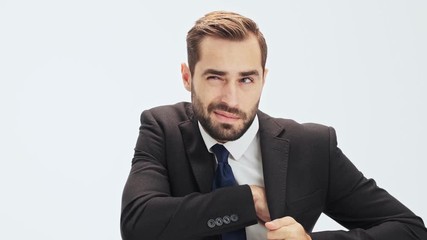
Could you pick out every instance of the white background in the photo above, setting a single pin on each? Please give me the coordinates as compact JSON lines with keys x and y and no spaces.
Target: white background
{"x":75,"y":76}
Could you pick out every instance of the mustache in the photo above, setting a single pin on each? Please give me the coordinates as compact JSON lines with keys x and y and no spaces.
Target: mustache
{"x":226,"y":108}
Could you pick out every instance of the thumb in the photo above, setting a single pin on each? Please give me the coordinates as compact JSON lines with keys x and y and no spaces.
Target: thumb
{"x":279,"y":222}
{"x":272,"y":225}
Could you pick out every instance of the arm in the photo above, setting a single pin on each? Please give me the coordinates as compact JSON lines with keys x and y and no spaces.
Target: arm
{"x":356,"y":203}
{"x":360,"y":205}
{"x":150,"y":211}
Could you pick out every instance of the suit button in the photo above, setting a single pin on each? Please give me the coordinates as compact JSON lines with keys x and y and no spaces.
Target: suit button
{"x":211,"y":223}
{"x":226,"y":219}
{"x":218,"y":221}
{"x":234,"y":217}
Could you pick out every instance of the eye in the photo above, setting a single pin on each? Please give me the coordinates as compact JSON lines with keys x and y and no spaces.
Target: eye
{"x":213,"y":77}
{"x":246,"y":80}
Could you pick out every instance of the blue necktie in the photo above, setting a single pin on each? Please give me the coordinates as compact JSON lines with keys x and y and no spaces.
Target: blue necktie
{"x":224,"y":177}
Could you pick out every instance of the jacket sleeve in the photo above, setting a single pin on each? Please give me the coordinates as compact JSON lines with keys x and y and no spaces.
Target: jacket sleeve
{"x":150,"y":211}
{"x":360,"y":205}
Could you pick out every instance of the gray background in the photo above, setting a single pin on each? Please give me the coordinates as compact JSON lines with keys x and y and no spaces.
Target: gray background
{"x":75,"y":76}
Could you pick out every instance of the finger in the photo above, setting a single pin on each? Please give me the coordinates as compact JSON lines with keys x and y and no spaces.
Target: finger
{"x":280,"y":233}
{"x":280,"y":222}
{"x":286,"y":232}
{"x":292,"y":231}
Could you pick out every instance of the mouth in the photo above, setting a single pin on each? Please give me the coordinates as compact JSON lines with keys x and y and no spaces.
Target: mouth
{"x":226,"y":117}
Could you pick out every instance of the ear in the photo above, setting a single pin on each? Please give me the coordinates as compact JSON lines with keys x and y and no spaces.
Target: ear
{"x":186,"y":76}
{"x":265,"y":76}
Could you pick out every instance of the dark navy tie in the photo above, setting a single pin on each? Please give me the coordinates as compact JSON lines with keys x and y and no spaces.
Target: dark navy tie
{"x":224,"y":177}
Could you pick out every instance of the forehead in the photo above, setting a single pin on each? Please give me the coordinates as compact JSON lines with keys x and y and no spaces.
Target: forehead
{"x":230,"y":55}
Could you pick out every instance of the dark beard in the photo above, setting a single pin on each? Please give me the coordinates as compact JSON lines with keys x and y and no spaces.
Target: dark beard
{"x":222,"y":132}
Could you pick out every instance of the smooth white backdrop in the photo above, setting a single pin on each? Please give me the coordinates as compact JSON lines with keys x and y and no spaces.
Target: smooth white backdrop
{"x":75,"y":76}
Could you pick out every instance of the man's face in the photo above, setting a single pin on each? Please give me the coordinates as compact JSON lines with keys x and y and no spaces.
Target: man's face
{"x":226,"y":86}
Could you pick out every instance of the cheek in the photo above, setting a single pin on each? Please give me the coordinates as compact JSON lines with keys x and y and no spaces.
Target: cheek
{"x":211,"y":96}
{"x":250,"y":101}
{"x":204,"y":100}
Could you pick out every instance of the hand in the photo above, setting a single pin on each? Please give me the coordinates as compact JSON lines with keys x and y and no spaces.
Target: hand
{"x":260,"y":202}
{"x":286,"y":228}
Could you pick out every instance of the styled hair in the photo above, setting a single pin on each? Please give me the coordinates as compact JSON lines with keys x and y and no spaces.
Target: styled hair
{"x":223,"y":25}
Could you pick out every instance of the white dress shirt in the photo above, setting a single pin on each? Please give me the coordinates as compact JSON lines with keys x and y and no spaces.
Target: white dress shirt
{"x":245,"y":160}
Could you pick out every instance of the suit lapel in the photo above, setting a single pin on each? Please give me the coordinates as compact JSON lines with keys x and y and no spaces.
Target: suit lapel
{"x":201,"y":161}
{"x":275,"y":155}
{"x":274,"y":152}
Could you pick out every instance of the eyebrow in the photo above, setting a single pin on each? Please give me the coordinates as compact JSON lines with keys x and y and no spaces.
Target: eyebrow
{"x":223,"y":73}
{"x":214,"y":72}
{"x":249,"y":73}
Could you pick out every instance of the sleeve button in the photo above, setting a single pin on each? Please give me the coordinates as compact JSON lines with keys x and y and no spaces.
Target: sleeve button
{"x":211,"y":223}
{"x":226,"y":219}
{"x":218,"y":221}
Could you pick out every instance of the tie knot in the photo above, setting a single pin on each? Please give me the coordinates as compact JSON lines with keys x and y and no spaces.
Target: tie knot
{"x":220,"y":152}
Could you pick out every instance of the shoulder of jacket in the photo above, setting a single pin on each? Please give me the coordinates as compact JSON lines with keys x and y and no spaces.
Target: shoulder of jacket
{"x":181,"y":111}
{"x":293,"y":127}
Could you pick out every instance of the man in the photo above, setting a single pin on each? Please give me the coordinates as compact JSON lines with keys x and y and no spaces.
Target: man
{"x":219,"y":166}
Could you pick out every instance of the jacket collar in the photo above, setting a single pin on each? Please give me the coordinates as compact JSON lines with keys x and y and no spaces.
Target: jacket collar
{"x":275,"y":156}
{"x":201,"y":161}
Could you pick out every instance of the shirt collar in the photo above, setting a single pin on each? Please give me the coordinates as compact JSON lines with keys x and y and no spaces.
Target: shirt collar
{"x":238,"y":147}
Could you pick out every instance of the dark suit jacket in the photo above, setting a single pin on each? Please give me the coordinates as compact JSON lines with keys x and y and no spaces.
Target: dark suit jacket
{"x":168,"y":194}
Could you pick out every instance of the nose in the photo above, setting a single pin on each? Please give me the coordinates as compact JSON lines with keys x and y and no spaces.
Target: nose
{"x":230,"y":94}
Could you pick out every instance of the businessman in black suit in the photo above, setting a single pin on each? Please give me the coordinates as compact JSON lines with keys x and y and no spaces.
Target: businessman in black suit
{"x":284,"y":174}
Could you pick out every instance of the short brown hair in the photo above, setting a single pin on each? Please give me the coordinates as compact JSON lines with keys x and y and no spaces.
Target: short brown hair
{"x":224,"y":25}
